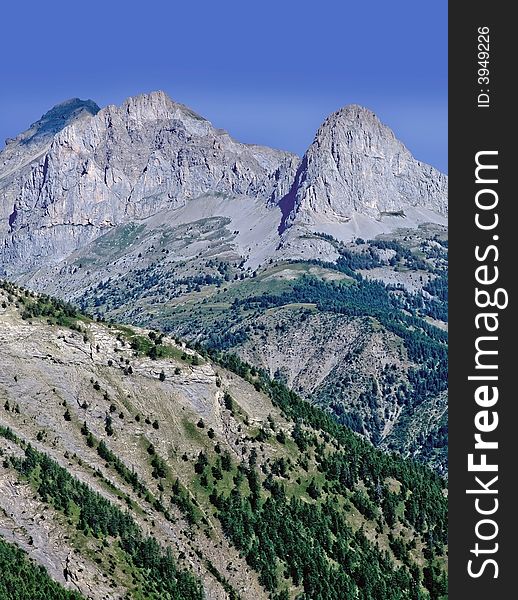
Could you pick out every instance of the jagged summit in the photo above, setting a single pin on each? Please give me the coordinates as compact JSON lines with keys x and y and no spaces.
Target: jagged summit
{"x":364,"y":130}
{"x":356,"y":165}
{"x":348,"y":114}
{"x":31,"y":143}
{"x":54,"y":120}
{"x":157,"y":102}
{"x":80,"y":171}
{"x":58,"y":117}
{"x":125,"y":163}
{"x":68,"y":108}
{"x":157,"y":106}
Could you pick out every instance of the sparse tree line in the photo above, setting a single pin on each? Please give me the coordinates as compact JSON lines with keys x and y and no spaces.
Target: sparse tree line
{"x":21,"y":578}
{"x":98,"y":517}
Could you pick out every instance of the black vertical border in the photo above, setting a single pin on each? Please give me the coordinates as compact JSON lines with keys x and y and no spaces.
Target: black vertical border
{"x":472,"y":129}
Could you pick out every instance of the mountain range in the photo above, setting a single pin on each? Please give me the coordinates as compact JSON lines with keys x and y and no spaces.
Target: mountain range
{"x":214,"y":337}
{"x":139,"y":211}
{"x":81,"y":172}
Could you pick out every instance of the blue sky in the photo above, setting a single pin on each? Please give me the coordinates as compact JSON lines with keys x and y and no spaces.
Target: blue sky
{"x":268,"y":72}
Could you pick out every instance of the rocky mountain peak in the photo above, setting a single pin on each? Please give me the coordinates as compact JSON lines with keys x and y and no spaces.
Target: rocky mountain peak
{"x":123,"y":163}
{"x":353,"y":114}
{"x":58,"y":117}
{"x":37,"y":138}
{"x":80,"y":171}
{"x":356,"y":165}
{"x":363,"y":130}
{"x":158,"y":106}
{"x":68,"y":109}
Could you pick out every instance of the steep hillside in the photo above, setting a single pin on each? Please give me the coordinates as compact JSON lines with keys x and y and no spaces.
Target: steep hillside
{"x":148,"y":214}
{"x":294,"y":321}
{"x":133,"y":466}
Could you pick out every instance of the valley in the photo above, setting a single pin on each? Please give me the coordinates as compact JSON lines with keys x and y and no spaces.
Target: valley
{"x":224,"y":366}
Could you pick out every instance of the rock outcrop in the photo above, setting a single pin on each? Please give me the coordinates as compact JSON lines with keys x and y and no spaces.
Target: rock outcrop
{"x":356,"y":165}
{"x":117,"y":165}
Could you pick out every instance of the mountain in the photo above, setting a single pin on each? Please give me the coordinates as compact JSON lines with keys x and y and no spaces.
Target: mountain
{"x":134,"y":466}
{"x":81,"y":172}
{"x":30,"y":145}
{"x":356,"y":166}
{"x":148,"y":214}
{"x":119,"y":165}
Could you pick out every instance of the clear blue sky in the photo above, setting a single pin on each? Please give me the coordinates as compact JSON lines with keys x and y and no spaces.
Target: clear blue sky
{"x":267,"y":71}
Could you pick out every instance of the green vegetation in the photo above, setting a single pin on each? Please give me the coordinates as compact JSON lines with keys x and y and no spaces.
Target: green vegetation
{"x":34,"y":306}
{"x":360,"y":457}
{"x":97,"y":517}
{"x":311,"y":544}
{"x":427,"y":258}
{"x":22,"y":579}
{"x":128,"y":475}
{"x":316,"y":510}
{"x":181,"y":497}
{"x":244,"y":307}
{"x":300,"y":514}
{"x":425,"y":344}
{"x":154,"y":279}
{"x":153,"y":346}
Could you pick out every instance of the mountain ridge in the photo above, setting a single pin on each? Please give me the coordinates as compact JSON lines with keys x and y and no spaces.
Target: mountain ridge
{"x":124,"y":450}
{"x":110,"y":166}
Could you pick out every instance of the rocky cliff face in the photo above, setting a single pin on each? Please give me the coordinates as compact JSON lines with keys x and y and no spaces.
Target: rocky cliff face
{"x":81,"y":171}
{"x":356,"y":165}
{"x":117,"y":165}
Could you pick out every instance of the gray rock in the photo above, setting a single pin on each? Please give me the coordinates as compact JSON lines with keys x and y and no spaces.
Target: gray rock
{"x":34,"y":141}
{"x":79,"y":172}
{"x":118,"y":165}
{"x":356,"y":165}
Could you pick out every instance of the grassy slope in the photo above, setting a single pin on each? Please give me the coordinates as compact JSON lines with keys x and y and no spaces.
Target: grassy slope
{"x":255,"y":456}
